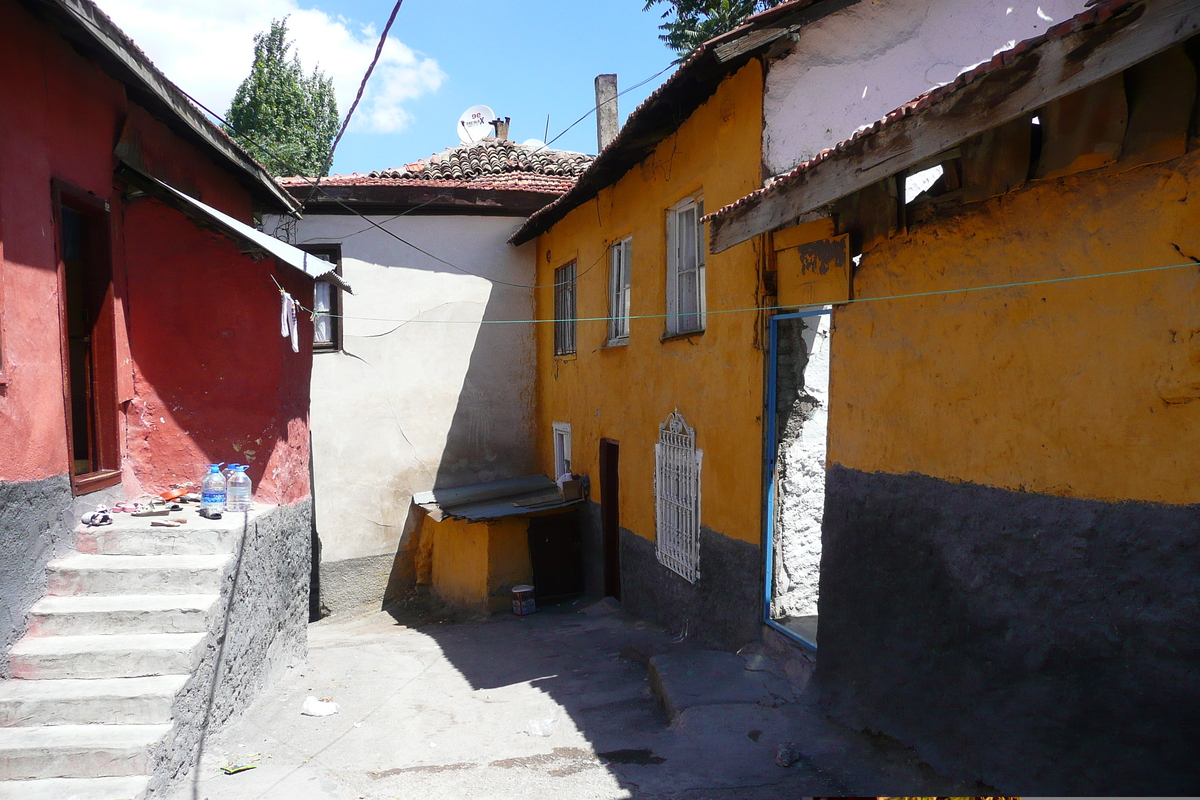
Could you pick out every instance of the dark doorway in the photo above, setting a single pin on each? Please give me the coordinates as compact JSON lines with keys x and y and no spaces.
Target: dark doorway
{"x":610,"y":515}
{"x":89,"y":341}
{"x":556,"y":553}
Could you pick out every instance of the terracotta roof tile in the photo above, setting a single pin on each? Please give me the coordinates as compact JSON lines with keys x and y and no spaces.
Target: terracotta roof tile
{"x":489,"y":164}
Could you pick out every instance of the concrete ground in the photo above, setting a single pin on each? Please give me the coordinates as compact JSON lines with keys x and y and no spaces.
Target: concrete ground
{"x":555,"y":705}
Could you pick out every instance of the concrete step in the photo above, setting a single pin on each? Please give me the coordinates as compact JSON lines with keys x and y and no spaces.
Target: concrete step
{"x":118,"y":788}
{"x":127,"y":537}
{"x":91,"y":574}
{"x":123,"y":701}
{"x":133,"y":613}
{"x":77,"y":751}
{"x":685,"y":680}
{"x":106,"y":656}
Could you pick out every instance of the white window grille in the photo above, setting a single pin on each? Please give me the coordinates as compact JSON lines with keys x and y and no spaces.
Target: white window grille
{"x":618,"y":291}
{"x":685,"y":267}
{"x":562,"y":449}
{"x":564,"y":310}
{"x":677,"y":497}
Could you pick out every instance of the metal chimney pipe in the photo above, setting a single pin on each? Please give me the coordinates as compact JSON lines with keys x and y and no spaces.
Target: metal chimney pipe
{"x":607,"y":120}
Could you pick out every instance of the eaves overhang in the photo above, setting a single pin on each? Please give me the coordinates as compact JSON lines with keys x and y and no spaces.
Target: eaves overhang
{"x":662,"y":113}
{"x":97,"y":38}
{"x":1102,"y":41}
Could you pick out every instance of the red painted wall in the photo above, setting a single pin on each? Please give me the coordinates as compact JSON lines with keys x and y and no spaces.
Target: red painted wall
{"x":203,"y":371}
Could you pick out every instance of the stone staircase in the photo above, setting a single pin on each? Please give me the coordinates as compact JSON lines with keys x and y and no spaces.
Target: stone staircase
{"x":125,"y":623}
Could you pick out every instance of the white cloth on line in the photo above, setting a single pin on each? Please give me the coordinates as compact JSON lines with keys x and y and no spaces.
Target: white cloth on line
{"x":288,"y":327}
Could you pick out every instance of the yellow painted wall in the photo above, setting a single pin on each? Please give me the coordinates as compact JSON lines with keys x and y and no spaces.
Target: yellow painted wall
{"x":508,"y":559}
{"x":460,"y":561}
{"x":1086,"y":389}
{"x":475,"y":564}
{"x":714,"y":379}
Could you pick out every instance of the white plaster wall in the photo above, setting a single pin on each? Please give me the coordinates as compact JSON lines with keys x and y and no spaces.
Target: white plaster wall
{"x":853,"y":67}
{"x":800,"y":506}
{"x":423,"y":392}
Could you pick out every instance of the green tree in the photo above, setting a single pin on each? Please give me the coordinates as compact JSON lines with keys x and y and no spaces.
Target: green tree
{"x":690,"y":23}
{"x":285,"y":119}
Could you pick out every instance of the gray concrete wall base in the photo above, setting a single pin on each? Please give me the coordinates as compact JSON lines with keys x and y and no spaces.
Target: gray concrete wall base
{"x":37,"y":525}
{"x":355,"y":582}
{"x":593,"y":548}
{"x":1045,"y":645}
{"x":722,"y":609}
{"x":799,"y":662}
{"x":261,"y":634}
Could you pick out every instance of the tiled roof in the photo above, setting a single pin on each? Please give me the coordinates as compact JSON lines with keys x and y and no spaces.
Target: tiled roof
{"x":488,"y":164}
{"x":777,"y":184}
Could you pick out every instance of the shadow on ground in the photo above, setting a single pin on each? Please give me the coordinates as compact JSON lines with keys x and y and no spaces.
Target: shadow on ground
{"x":555,"y":705}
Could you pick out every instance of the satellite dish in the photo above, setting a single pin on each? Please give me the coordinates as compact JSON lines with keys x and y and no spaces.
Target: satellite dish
{"x":475,"y":124}
{"x":536,"y":144}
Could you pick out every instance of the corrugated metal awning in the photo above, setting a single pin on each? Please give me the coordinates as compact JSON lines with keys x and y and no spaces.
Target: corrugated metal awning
{"x":249,"y":239}
{"x":515,"y":497}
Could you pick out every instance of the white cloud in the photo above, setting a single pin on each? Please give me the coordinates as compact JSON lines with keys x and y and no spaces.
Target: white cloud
{"x":207,"y":48}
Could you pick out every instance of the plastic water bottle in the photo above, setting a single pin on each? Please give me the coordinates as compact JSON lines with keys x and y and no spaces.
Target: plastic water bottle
{"x":239,"y":489}
{"x":212,"y":491}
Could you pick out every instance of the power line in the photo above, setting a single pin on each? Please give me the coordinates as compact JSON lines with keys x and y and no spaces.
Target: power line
{"x":362,"y":87}
{"x":372,"y":223}
{"x":595,"y":108}
{"x":757,"y":309}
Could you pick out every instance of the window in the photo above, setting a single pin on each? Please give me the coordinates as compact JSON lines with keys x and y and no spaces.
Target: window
{"x":618,"y":291}
{"x":562,"y":449}
{"x":88,"y":325}
{"x":685,"y":267}
{"x":677,"y":498}
{"x":327,"y":301}
{"x":564,"y":310}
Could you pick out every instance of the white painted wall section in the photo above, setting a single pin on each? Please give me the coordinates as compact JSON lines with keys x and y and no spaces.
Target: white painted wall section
{"x":853,"y":67}
{"x":433,"y":387}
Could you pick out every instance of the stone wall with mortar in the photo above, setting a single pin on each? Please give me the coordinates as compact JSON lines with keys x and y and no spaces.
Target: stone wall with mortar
{"x":802,"y":417}
{"x":37,"y":525}
{"x":261,"y":634}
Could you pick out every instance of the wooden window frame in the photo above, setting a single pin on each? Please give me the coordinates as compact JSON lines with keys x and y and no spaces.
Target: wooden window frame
{"x":674,"y":321}
{"x":334,"y":251}
{"x":566,"y":304}
{"x":562,"y":448}
{"x":106,"y":458}
{"x":620,"y":282}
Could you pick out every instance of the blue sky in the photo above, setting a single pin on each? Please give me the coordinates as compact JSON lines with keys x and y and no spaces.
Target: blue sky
{"x":525,"y":58}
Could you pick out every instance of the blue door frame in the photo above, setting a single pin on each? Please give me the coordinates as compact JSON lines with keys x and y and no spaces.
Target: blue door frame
{"x":769,"y":450}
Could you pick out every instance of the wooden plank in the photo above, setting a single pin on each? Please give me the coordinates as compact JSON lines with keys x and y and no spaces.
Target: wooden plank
{"x":803,"y":233}
{"x":1083,"y":130}
{"x":1162,"y":93}
{"x":1054,"y":69}
{"x":779,"y":28}
{"x":996,"y":161}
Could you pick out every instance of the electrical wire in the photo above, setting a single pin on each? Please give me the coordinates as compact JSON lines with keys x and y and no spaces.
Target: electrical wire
{"x":372,"y":223}
{"x":757,"y":309}
{"x":596,"y":108}
{"x":362,"y":87}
